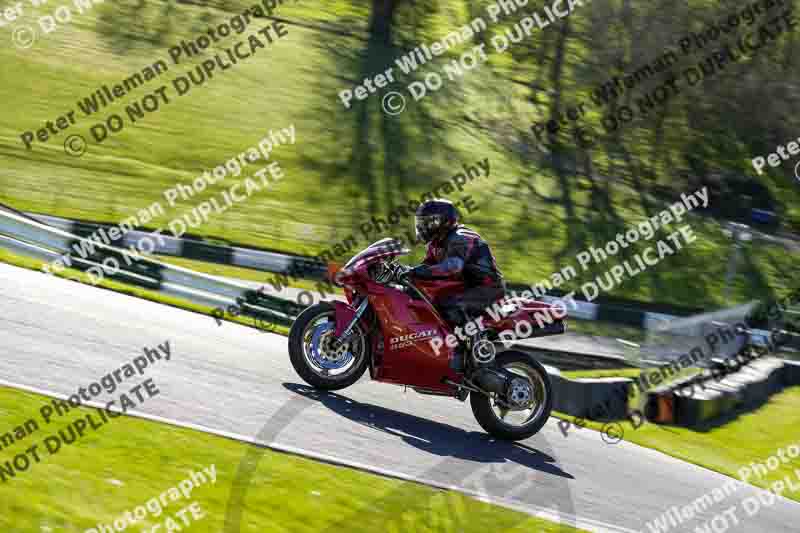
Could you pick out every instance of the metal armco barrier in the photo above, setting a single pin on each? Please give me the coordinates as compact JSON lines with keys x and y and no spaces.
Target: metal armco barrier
{"x":45,"y":242}
{"x":188,"y":248}
{"x":313,"y":269}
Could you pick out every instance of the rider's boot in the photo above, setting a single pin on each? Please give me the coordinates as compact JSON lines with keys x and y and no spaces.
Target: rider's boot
{"x":459,"y":317}
{"x":460,"y":354}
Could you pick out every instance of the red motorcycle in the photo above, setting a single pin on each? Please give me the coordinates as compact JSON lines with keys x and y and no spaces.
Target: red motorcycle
{"x":393,"y":327}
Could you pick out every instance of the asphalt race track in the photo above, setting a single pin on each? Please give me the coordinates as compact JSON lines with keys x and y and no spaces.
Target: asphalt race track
{"x":59,"y":335}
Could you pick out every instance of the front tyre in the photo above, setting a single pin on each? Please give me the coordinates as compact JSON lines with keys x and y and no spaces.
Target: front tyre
{"x":318,"y":358}
{"x":523,"y":411}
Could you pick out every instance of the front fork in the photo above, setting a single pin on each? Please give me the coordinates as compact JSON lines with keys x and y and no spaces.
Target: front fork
{"x":347,"y":317}
{"x":351,"y":318}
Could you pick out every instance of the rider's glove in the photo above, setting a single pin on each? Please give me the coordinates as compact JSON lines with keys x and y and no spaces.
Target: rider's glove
{"x":407,"y":273}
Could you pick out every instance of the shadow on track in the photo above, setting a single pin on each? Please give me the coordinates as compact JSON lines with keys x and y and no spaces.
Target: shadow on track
{"x":468,"y":462}
{"x":435,"y":438}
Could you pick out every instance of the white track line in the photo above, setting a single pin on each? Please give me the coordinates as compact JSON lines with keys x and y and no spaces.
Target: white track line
{"x":588,"y":524}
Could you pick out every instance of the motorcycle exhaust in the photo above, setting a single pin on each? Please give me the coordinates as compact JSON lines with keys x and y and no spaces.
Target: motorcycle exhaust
{"x":430,"y":392}
{"x":490,"y":381}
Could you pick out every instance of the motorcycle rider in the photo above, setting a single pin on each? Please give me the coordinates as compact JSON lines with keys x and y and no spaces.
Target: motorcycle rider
{"x":456,"y":252}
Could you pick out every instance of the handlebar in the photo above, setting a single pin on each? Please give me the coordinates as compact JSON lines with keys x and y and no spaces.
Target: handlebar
{"x":397,"y":270}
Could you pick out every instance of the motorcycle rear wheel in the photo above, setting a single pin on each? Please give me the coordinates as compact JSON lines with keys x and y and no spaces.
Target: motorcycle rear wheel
{"x":313,"y":357}
{"x":490,"y":414}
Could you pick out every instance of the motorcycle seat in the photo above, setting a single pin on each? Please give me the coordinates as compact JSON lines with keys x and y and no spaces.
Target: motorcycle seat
{"x":504,"y":307}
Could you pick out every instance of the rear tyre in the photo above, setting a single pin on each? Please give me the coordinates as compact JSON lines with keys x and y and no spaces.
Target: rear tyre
{"x":315,"y":356}
{"x":530,"y":397}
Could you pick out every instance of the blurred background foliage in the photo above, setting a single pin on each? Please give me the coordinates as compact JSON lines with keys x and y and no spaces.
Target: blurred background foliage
{"x":545,"y":199}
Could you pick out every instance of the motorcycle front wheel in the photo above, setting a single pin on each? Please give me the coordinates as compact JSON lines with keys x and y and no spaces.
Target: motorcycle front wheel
{"x":524,"y":410}
{"x":318,"y":358}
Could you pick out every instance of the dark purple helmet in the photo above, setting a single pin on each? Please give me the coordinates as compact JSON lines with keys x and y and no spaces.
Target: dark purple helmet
{"x":434,"y":218}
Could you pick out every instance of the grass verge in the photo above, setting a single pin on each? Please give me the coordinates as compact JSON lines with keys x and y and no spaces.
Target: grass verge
{"x":128,"y":461}
{"x":347,"y":164}
{"x":757,"y":435}
{"x":632,"y":373}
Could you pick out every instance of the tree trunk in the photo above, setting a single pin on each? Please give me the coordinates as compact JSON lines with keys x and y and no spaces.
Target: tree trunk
{"x":380,"y":26}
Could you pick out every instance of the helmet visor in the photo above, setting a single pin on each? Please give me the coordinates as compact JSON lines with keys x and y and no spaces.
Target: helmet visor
{"x":427,"y":226}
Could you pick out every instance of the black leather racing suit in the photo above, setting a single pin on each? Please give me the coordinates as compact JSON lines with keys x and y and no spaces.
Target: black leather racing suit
{"x":463,"y":255}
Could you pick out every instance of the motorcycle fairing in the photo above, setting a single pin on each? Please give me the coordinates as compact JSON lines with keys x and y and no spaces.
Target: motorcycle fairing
{"x":407,"y":326}
{"x":344,"y":315}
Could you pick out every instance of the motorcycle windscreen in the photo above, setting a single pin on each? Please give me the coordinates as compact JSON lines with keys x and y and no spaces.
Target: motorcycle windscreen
{"x":383,"y":246}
